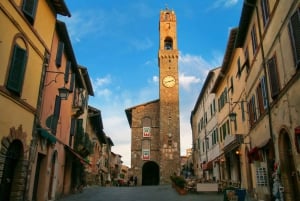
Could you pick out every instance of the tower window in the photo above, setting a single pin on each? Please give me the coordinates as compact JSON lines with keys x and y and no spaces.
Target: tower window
{"x":168,"y":44}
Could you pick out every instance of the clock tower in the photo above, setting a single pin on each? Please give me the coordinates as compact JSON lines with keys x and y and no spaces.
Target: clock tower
{"x":168,"y":96}
{"x":155,"y":132}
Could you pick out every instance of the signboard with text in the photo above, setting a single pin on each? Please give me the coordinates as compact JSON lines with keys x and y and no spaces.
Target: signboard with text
{"x":146,"y":132}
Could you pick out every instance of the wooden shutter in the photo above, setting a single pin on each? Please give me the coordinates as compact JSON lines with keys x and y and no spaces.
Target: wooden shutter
{"x":71,"y":89}
{"x":73,"y":126}
{"x":17,"y":70}
{"x":260,"y":99}
{"x":29,"y":8}
{"x":59,"y":53}
{"x":274,"y":80}
{"x":67,"y":71}
{"x":56,"y":114}
{"x":251,"y":112}
{"x":294,"y":28}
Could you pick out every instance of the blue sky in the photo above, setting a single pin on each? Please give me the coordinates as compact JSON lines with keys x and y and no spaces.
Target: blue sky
{"x":118,"y":42}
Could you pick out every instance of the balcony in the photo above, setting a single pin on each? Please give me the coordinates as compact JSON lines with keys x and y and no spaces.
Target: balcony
{"x":232,"y":141}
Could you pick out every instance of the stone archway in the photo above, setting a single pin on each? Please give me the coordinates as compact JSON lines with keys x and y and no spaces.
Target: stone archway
{"x":13,"y":165}
{"x":287,"y":167}
{"x":150,"y":173}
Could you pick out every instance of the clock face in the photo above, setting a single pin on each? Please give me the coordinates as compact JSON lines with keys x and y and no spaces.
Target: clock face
{"x":169,"y":81}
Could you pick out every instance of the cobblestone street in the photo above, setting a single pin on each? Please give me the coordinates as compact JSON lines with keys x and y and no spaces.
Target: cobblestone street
{"x":144,"y":193}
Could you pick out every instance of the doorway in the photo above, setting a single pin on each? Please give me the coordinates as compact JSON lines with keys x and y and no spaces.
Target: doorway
{"x":150,"y":174}
{"x":12,"y":160}
{"x":288,"y":169}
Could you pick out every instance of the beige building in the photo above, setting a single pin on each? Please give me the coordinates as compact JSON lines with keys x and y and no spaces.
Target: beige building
{"x":258,"y":103}
{"x":204,"y":130}
{"x":155,"y":142}
{"x":273,"y":55}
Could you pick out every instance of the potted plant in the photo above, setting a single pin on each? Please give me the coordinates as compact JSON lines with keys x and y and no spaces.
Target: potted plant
{"x":179,"y":183}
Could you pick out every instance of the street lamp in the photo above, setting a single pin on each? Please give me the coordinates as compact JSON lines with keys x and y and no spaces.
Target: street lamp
{"x":232,"y":116}
{"x":63,"y":93}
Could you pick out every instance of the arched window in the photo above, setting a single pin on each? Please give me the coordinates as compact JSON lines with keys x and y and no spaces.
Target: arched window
{"x":168,"y":43}
{"x":17,"y":67}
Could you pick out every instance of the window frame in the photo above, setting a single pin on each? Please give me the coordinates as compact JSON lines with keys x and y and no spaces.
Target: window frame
{"x":254,"y":39}
{"x":17,"y":68}
{"x":29,"y":8}
{"x":274,"y":81}
{"x":294,"y":32}
{"x":265,"y":10}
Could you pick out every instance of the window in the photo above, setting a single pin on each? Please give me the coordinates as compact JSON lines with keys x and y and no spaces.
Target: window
{"x":59,"y":53}
{"x":215,"y":137}
{"x":273,"y":75}
{"x":260,"y":98}
{"x":67,"y":71}
{"x":168,"y":44}
{"x":246,"y":63}
{"x":29,"y":9}
{"x":252,"y":111}
{"x":243,"y":111}
{"x":294,"y":29}
{"x":231,"y":85}
{"x":265,"y":11}
{"x":239,"y":72}
{"x":56,"y":114}
{"x":264,"y":92}
{"x":17,"y":70}
{"x":254,"y":39}
{"x":223,"y":99}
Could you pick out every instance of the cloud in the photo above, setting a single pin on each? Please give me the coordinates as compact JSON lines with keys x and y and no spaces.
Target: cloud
{"x":223,"y":3}
{"x":85,"y":24}
{"x":142,"y":44}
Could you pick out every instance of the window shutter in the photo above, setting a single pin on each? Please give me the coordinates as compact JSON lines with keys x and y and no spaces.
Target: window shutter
{"x":251,"y":114}
{"x":17,"y":70}
{"x":60,"y":50}
{"x":73,"y":126}
{"x":260,"y":99}
{"x":264,"y":92}
{"x":71,"y":89}
{"x":56,"y":114}
{"x":294,"y":28}
{"x":274,"y":81}
{"x":265,"y":11}
{"x":68,"y":66}
{"x":29,"y":8}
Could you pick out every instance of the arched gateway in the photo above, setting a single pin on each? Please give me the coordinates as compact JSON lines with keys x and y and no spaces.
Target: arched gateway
{"x":150,"y":173}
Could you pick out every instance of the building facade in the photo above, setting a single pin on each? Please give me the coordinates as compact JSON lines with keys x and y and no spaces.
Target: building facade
{"x":258,"y":102}
{"x":155,"y":143}
{"x":204,"y":130}
{"x":24,"y":44}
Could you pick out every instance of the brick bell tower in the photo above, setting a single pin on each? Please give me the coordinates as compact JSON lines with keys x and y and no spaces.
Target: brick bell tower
{"x":168,"y":97}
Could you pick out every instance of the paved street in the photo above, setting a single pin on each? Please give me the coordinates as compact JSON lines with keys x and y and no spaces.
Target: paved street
{"x":145,"y":193}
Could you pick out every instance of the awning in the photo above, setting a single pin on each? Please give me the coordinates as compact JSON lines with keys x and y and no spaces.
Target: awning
{"x":207,"y":166}
{"x":82,"y":160}
{"x":48,"y":136}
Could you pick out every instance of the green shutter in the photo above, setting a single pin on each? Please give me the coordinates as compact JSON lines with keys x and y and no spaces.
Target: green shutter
{"x":56,"y":114}
{"x":66,"y":77}
{"x":60,"y":50}
{"x":71,"y":89}
{"x":274,"y":80}
{"x":17,"y":70}
{"x":29,"y":8}
{"x":294,"y":27}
